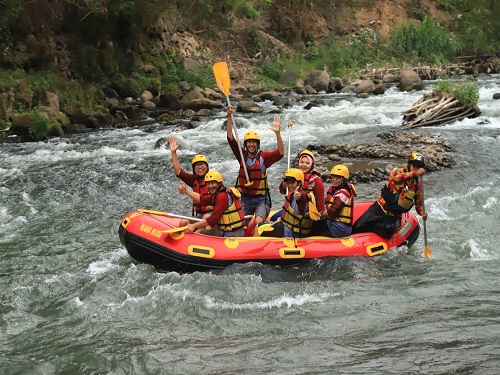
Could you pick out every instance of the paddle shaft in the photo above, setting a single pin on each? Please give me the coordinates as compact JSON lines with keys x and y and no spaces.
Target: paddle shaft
{"x":235,"y":131}
{"x":423,"y":209}
{"x":221,"y":73}
{"x":168,"y":214}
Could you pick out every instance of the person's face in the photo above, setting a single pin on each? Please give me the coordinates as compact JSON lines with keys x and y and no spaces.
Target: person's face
{"x":416,"y":165}
{"x":252,"y":145}
{"x":291,"y":184}
{"x":212,"y":186}
{"x":336,"y":180}
{"x":200,"y":168}
{"x":304,"y":165}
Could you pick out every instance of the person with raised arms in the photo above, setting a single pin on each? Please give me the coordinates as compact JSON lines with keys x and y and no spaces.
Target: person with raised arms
{"x":195,"y":180}
{"x":252,"y":177}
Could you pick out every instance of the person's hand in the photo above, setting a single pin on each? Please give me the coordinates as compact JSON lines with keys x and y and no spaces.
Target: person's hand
{"x":190,"y":228}
{"x":182,"y":188}
{"x":230,"y":110}
{"x":276,"y":124}
{"x":424,"y":216}
{"x":296,"y":194}
{"x":174,"y":144}
{"x":420,"y":172}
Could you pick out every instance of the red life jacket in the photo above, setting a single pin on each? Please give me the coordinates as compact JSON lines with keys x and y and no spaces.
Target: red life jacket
{"x":258,"y":176}
{"x":200,"y":187}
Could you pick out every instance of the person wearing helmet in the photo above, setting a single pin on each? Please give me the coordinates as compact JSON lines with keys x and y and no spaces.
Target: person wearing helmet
{"x":194,"y":180}
{"x":255,"y":196}
{"x":313,"y":184}
{"x":339,"y":203}
{"x":227,"y":218}
{"x":295,"y":216}
{"x":401,"y":191}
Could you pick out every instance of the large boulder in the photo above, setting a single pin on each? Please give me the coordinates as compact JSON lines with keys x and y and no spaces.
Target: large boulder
{"x":248,"y":106}
{"x":319,"y":80}
{"x":366,"y":86}
{"x":201,"y":103}
{"x":409,"y":80}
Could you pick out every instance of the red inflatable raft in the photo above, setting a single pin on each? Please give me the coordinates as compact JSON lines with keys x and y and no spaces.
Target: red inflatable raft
{"x":144,"y":233}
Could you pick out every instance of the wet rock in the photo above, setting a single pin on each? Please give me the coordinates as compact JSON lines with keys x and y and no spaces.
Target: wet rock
{"x":392,"y":151}
{"x":496,"y":96}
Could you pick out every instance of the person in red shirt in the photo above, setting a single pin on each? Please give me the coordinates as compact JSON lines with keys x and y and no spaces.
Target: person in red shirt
{"x":195,"y":180}
{"x":255,"y":196}
{"x":339,"y":203}
{"x":402,"y":190}
{"x":227,"y":218}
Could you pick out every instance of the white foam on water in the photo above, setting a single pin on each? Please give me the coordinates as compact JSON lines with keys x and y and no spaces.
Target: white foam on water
{"x":281,"y":301}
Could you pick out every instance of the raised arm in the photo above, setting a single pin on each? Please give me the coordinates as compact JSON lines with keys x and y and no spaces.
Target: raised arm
{"x":184,"y":190}
{"x":230,"y":111}
{"x":277,"y":131}
{"x":174,"y":145}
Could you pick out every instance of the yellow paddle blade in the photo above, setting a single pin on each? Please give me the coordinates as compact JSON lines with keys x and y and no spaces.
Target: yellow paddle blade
{"x":221,"y":74}
{"x":175,"y":230}
{"x":428,"y":252}
{"x":313,"y":212}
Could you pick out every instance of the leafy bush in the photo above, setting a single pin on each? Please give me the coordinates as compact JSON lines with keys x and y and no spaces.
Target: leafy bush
{"x":426,"y":42}
{"x":40,"y":127}
{"x":466,"y":92}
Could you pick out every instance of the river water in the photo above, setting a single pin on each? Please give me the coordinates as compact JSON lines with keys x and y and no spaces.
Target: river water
{"x":74,"y":302}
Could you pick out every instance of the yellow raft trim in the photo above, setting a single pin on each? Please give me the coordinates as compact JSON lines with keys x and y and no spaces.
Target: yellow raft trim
{"x":201,"y":251}
{"x":376,"y":248}
{"x":348,"y":241}
{"x":292,"y":252}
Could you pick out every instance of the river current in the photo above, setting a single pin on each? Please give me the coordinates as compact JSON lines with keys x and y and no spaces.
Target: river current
{"x":74,"y":302}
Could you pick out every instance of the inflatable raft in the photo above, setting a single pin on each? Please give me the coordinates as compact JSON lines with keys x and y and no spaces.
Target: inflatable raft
{"x":147,"y":235}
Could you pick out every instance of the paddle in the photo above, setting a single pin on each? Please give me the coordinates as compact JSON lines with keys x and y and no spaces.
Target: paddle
{"x":290,"y":124}
{"x":221,"y":74}
{"x":167,"y":214}
{"x":427,"y":250}
{"x":313,"y":212}
{"x":268,"y":226}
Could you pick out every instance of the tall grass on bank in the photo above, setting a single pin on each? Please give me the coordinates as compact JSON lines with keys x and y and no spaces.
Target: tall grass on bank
{"x":427,"y":42}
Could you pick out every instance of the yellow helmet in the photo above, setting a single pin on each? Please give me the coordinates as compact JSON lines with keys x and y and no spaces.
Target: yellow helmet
{"x":251,"y":134}
{"x":198,"y":158}
{"x":295,"y":173}
{"x":306,"y":152}
{"x":213,"y":176}
{"x":416,"y":158}
{"x":340,"y":170}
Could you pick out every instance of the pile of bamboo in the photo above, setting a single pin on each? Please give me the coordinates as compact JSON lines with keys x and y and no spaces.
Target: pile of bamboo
{"x":437,"y":108}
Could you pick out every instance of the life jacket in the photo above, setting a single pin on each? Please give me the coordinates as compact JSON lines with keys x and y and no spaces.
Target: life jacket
{"x":233,"y":217}
{"x":258,"y":176}
{"x":399,"y":199}
{"x":298,"y":223}
{"x":309,"y":179}
{"x":346,"y":213}
{"x":200,"y":187}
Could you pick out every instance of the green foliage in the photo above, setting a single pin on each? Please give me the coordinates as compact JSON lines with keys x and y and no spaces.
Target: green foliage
{"x":9,"y":10}
{"x":40,"y":127}
{"x":476,"y":22}
{"x":467,"y":93}
{"x":272,"y":69}
{"x":426,"y":42}
{"x":5,"y":124}
{"x":245,"y":10}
